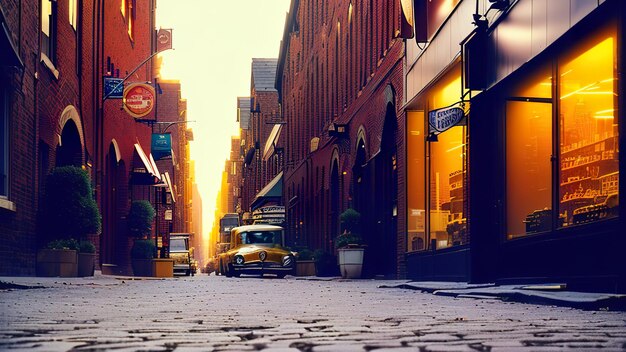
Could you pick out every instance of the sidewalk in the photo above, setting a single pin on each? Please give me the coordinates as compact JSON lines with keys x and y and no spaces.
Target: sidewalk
{"x":546,"y":294}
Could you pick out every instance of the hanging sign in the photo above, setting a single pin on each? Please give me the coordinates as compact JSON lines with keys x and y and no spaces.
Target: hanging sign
{"x":161,"y":147}
{"x":138,"y":99}
{"x":440,"y":120}
{"x":113,"y":88}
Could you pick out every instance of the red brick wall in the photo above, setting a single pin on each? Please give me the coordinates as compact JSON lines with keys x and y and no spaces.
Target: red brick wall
{"x":18,"y":225}
{"x":336,"y":69}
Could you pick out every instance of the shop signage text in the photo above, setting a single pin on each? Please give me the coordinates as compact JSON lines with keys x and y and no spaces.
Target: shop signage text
{"x":161,"y":146}
{"x":113,"y":88}
{"x":138,"y":99}
{"x":441,"y":120}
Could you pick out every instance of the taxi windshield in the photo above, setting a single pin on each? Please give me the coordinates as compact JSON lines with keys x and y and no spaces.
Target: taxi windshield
{"x":261,"y":237}
{"x":178,"y":245}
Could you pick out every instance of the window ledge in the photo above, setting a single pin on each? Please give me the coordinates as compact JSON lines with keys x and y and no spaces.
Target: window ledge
{"x":7,"y":204}
{"x":48,"y":63}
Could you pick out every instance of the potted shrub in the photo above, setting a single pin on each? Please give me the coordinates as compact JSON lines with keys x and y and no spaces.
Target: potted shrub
{"x":350,"y":245}
{"x":69,"y":211}
{"x":142,"y":254}
{"x":58,"y":258}
{"x":305,"y":266}
{"x":325,"y":263}
{"x":140,"y":219}
{"x":86,"y":258}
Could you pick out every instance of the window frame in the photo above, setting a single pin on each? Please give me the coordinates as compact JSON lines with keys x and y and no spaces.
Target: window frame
{"x":555,"y":62}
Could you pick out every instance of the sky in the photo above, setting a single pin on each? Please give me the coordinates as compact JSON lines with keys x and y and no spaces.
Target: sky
{"x":214,"y":42}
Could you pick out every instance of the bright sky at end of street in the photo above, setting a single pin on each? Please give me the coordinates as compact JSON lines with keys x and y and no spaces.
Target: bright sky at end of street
{"x":214,"y":42}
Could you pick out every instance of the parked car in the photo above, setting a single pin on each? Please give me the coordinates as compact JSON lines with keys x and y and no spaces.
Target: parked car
{"x":179,"y":251}
{"x":257,"y":250}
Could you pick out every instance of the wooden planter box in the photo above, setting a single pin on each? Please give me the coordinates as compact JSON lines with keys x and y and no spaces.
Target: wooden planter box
{"x":57,"y":262}
{"x":163,"y":267}
{"x":86,"y":264}
{"x":305,"y":268}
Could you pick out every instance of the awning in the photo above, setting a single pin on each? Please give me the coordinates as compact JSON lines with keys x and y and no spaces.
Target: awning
{"x":273,"y":191}
{"x":270,"y":145}
{"x":146,"y":172}
{"x":168,"y":182}
{"x":249,"y":156}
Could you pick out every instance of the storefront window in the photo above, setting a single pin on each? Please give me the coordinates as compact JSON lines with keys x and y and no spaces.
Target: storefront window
{"x":436,"y":173}
{"x":447,"y":173}
{"x":416,"y":198}
{"x":528,"y":167}
{"x":448,"y":206}
{"x":588,"y":121}
{"x":587,"y":139}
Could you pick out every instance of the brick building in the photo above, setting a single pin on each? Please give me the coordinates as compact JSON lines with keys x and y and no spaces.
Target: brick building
{"x":19,"y":67}
{"x":261,"y":164}
{"x":340,"y":82}
{"x":52,"y":113}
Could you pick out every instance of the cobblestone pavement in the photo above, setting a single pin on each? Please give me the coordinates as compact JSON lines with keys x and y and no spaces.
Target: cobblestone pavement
{"x":209,"y":313}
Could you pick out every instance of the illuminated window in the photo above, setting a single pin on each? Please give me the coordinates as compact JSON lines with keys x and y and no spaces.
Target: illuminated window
{"x":437,"y":206}
{"x":588,"y":158}
{"x":128,"y":10}
{"x":48,"y":28}
{"x":73,"y":13}
{"x":528,"y":167}
{"x":416,"y":199}
{"x":587,"y":141}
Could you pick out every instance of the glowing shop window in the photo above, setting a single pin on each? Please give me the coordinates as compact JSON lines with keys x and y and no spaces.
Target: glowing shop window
{"x":528,"y":168}
{"x":588,"y":130}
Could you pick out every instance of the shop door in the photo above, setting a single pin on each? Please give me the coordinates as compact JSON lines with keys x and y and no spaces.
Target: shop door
{"x":528,"y":167}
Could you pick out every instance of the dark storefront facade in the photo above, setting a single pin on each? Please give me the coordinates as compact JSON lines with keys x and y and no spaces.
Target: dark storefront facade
{"x":526,"y":187}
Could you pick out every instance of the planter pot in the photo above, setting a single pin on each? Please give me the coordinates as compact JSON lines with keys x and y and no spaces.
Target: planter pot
{"x":57,"y":262}
{"x":305,"y":268}
{"x":142,"y":267}
{"x":326,"y":266}
{"x":163,"y":267}
{"x":86,"y":264}
{"x":351,"y":262}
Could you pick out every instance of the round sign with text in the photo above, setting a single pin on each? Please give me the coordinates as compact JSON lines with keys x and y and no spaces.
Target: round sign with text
{"x":138,"y":99}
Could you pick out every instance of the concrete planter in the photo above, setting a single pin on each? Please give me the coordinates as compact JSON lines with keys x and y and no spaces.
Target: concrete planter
{"x":163,"y":267}
{"x":57,"y":262}
{"x":351,"y":262}
{"x":305,"y":268}
{"x":86,"y":264}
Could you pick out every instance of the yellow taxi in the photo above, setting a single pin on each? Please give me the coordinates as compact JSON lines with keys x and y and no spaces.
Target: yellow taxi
{"x":257,"y":250}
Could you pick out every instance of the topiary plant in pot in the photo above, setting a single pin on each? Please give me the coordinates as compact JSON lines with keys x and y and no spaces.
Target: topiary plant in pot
{"x":350,"y":245}
{"x":142,"y":254}
{"x":68,"y":210}
{"x":140,"y":219}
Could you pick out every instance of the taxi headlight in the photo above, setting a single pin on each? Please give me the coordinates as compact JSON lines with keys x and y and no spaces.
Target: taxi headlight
{"x":239,"y":260}
{"x":288,"y":260}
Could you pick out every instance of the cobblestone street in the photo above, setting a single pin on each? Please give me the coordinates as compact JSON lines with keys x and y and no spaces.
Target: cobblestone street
{"x":209,"y":313}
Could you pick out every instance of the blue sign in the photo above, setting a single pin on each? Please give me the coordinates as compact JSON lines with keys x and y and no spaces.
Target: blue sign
{"x":441,"y":120}
{"x":113,"y":88}
{"x":161,"y":147}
